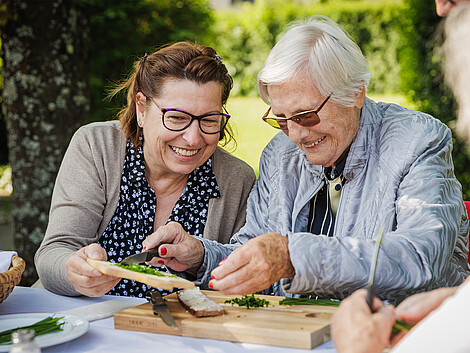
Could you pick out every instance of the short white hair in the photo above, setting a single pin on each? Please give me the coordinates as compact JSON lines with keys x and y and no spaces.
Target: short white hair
{"x":319,"y":48}
{"x":457,"y":62}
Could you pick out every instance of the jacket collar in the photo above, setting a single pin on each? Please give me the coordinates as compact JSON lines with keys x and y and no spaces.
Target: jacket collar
{"x":362,"y":145}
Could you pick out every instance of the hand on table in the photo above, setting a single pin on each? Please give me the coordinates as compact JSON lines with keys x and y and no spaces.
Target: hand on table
{"x":254,"y":266}
{"x":180,"y":252}
{"x":355,"y":329}
{"x":416,"y":307}
{"x":84,"y":278}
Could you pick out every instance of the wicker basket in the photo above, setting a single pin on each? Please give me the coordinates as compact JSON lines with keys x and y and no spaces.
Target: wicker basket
{"x":9,"y":279}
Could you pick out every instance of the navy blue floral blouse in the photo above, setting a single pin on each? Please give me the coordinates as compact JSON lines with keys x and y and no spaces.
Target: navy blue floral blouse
{"x":134,"y":217}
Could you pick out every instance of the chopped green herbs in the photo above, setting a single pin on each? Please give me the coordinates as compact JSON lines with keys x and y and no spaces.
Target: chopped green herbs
{"x":143,"y":269}
{"x":250,"y":301}
{"x":48,"y":325}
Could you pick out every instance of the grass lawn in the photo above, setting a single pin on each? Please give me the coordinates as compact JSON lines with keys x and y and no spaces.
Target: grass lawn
{"x":252,"y":133}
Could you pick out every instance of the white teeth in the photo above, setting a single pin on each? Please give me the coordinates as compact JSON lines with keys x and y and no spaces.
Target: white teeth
{"x":182,"y":152}
{"x":315,"y":143}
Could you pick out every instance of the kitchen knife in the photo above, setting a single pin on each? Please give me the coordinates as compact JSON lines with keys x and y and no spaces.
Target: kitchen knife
{"x":373,"y":266}
{"x":142,"y":257}
{"x":160,"y":308}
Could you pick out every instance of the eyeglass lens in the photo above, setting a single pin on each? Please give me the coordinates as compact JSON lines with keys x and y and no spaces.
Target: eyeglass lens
{"x":303,"y":119}
{"x":308,"y":118}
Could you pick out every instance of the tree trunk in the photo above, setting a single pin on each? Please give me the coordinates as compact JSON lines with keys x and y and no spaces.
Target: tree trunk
{"x":45,"y":99}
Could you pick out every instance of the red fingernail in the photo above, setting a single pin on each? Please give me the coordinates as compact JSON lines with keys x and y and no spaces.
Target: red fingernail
{"x":212,"y":276}
{"x":220,"y":263}
{"x":161,"y":262}
{"x":211,"y":286}
{"x":163,"y":251}
{"x":144,"y":248}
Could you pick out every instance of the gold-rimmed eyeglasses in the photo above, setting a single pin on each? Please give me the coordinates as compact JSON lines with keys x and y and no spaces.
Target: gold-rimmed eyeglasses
{"x":307,"y":118}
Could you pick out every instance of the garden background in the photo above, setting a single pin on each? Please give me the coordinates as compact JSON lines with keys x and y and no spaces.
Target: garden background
{"x":401,"y":39}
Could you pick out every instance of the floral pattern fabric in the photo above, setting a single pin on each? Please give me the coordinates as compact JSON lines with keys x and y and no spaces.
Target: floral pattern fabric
{"x":134,"y":217}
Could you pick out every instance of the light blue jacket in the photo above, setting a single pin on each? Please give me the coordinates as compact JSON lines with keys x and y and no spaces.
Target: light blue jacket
{"x":400,"y":176}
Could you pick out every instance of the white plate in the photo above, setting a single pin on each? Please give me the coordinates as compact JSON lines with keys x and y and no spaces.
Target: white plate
{"x":73,"y":327}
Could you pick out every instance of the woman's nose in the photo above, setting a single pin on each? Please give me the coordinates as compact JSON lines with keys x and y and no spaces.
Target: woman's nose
{"x":192,"y":134}
{"x":296,"y":132}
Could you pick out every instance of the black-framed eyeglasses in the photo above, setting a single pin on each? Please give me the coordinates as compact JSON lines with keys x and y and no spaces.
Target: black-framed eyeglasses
{"x":307,"y":118}
{"x":178,"y":120}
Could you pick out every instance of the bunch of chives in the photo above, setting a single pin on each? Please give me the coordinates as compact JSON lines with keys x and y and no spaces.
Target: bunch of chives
{"x":48,"y":325}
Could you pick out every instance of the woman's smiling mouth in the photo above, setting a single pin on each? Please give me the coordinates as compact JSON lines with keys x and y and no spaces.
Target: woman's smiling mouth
{"x":314,"y":143}
{"x":184,"y":152}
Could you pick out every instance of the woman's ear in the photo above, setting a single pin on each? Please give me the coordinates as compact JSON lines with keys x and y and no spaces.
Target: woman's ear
{"x":360,"y":98}
{"x":140,"y":108}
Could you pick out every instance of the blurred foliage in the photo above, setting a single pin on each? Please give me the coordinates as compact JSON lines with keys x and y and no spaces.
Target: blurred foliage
{"x":245,"y":36}
{"x":422,"y":76}
{"x":398,"y":38}
{"x":122,"y":31}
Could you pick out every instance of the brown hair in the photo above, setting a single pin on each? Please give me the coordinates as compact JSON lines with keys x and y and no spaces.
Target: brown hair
{"x":182,"y":60}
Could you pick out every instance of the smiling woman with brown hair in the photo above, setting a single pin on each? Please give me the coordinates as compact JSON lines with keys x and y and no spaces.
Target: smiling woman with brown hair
{"x":121,"y":181}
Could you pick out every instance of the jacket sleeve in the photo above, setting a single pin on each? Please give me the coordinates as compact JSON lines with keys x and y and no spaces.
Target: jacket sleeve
{"x":76,"y":212}
{"x":415,"y":254}
{"x":256,"y":211}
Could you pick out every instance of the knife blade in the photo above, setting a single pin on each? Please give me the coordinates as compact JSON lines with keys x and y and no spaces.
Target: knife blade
{"x":373,"y":266}
{"x":142,"y":257}
{"x":160,"y":308}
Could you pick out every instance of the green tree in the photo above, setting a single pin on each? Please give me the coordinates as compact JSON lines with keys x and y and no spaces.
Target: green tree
{"x":56,"y":54}
{"x":45,"y":98}
{"x":121,"y":31}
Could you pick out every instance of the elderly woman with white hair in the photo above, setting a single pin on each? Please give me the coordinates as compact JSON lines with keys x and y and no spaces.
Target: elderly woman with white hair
{"x":441,"y":316}
{"x":341,"y":168}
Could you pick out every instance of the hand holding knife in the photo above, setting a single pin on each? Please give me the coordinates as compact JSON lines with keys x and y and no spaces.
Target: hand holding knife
{"x":373,"y":266}
{"x":142,"y":257}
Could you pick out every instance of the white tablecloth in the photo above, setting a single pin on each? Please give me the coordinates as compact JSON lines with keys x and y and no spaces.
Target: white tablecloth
{"x":103,"y":338}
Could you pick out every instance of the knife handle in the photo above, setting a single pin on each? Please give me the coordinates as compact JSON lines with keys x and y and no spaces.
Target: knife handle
{"x":152,"y":253}
{"x":370,"y":297}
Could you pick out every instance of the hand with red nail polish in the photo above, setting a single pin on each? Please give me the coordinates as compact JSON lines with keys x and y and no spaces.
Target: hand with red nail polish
{"x":180,"y":251}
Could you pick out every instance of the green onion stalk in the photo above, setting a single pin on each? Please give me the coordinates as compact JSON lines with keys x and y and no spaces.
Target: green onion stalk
{"x":48,"y":325}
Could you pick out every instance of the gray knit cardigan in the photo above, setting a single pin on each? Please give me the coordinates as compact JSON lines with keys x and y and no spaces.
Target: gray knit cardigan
{"x":86,"y":195}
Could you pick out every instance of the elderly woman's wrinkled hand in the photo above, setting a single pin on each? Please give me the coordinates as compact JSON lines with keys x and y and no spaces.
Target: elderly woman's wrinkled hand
{"x":254,"y":266}
{"x":84,"y":278}
{"x":178,"y":251}
{"x":355,"y":329}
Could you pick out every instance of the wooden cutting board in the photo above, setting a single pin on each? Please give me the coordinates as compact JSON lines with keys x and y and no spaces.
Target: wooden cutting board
{"x":303,"y":326}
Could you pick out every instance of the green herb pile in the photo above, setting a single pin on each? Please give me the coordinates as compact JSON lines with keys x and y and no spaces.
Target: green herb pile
{"x":397,"y":327}
{"x":144,"y":269}
{"x":250,"y":301}
{"x":48,"y":325}
{"x":309,"y":301}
